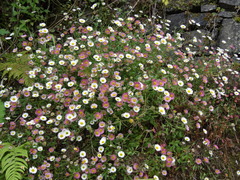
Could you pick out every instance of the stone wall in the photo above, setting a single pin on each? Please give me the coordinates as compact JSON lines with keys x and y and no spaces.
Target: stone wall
{"x":220,"y":21}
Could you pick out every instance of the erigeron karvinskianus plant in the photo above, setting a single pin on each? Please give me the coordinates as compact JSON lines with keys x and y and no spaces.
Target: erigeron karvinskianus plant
{"x":120,"y":104}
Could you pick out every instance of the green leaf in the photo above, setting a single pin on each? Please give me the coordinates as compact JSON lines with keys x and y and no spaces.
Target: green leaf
{"x":24,"y":145}
{"x":19,"y":66}
{"x":3,"y":32}
{"x":165,"y":2}
{"x":23,"y":162}
{"x":12,"y":162}
{"x":6,"y":166}
{"x":4,"y":149}
{"x":6,"y":159}
{"x":15,"y":13}
{"x":8,"y":173}
{"x":2,"y":112}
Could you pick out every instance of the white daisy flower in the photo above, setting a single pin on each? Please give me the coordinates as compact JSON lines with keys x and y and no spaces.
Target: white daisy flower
{"x":82,"y":154}
{"x":84,"y":176}
{"x":112,"y":169}
{"x":238,"y":172}
{"x":103,"y":80}
{"x":161,"y":110}
{"x":42,"y":24}
{"x":189,"y":91}
{"x":85,"y":101}
{"x":126,"y":115}
{"x":82,"y":20}
{"x":7,"y":104}
{"x":121,"y":154}
{"x":33,"y":170}
{"x":66,"y":132}
{"x":100,"y":149}
{"x":157,"y":147}
{"x":136,"y":109}
{"x":183,"y":26}
{"x":28,"y":48}
{"x":160,"y":89}
{"x":102,"y":140}
{"x":184,"y":120}
{"x":43,"y":118}
{"x":163,"y":157}
{"x":89,"y":28}
{"x":14,"y":99}
{"x":81,"y":122}
{"x":83,"y":167}
{"x":224,"y":78}
{"x":180,"y":83}
{"x":61,"y":135}
{"x":94,"y":85}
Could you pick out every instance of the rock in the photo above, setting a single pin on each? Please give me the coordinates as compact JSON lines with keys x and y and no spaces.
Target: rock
{"x":182,"y":18}
{"x":221,"y":27}
{"x":229,"y":36}
{"x":226,"y":14}
{"x":177,"y":20}
{"x":214,"y":33}
{"x":206,"y":20}
{"x":208,"y":8}
{"x":198,"y":38}
{"x":200,"y":18}
{"x":230,"y":2}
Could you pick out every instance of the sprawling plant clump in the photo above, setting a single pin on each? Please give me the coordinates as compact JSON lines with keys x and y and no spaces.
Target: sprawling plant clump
{"x":120,"y":104}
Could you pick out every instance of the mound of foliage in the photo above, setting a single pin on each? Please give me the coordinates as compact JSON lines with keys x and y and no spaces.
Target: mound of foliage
{"x":118,"y":103}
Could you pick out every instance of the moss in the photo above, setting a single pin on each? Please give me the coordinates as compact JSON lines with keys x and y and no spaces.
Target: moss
{"x":237,"y":19}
